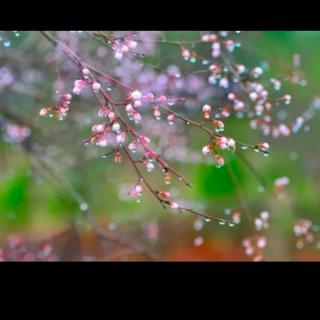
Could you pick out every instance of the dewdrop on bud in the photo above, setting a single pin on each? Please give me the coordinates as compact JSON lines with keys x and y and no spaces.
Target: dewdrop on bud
{"x":219,"y":125}
{"x":96,"y":87}
{"x":167,"y":178}
{"x":236,"y":217}
{"x":103,"y":112}
{"x":118,"y":157}
{"x":171,"y":117}
{"x":136,"y":95}
{"x":149,"y":166}
{"x":133,"y":146}
{"x":263,"y":147}
{"x":231,"y":144}
{"x":206,"y":150}
{"x":206,"y":110}
{"x":219,"y":161}
{"x":116,"y":127}
{"x":287,"y":98}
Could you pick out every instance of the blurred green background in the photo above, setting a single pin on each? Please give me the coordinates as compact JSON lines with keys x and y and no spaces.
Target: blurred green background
{"x":39,"y":202}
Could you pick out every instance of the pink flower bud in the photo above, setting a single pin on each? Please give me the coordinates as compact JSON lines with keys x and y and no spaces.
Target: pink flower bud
{"x":85,"y":71}
{"x":116,"y":127}
{"x":136,"y":95}
{"x":121,"y":137}
{"x":206,"y":150}
{"x":78,"y":86}
{"x":162,"y":99}
{"x":206,"y":109}
{"x":171,"y":117}
{"x":96,"y":86}
{"x":219,"y":161}
{"x":129,"y":108}
{"x":111,"y":115}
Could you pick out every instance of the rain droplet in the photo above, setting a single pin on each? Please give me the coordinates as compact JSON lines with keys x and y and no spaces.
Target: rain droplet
{"x":84,"y":206}
{"x":230,"y":224}
{"x":221,"y":222}
{"x":207,"y":220}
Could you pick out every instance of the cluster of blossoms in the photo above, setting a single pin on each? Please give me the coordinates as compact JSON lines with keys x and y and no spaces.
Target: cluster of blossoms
{"x":59,"y":110}
{"x":17,"y":249}
{"x":15,"y":133}
{"x":304,"y":231}
{"x":124,"y":107}
{"x":255,"y":245}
